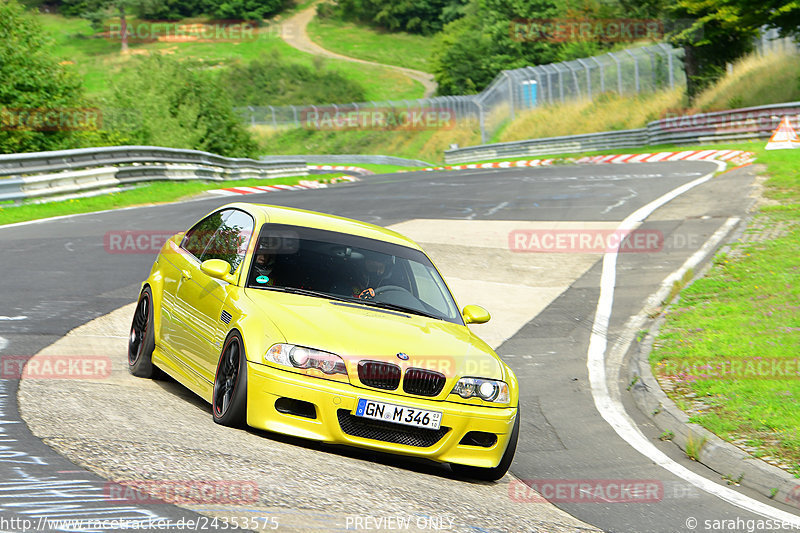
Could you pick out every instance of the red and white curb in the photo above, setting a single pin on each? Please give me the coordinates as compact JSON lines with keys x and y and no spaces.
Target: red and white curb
{"x":261,"y":189}
{"x":504,"y":164}
{"x":737,"y":157}
{"x":357,"y":170}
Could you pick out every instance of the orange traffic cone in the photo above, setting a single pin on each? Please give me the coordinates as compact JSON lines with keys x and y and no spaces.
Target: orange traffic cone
{"x":784,"y":137}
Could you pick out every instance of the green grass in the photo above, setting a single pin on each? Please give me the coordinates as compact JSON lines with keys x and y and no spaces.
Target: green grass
{"x":755,"y":80}
{"x":745,"y":308}
{"x":151,"y":193}
{"x":608,"y":112}
{"x":364,"y":42}
{"x":427,"y":145}
{"x":97,"y":59}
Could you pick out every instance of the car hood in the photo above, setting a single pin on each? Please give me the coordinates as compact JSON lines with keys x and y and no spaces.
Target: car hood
{"x":357,"y":332}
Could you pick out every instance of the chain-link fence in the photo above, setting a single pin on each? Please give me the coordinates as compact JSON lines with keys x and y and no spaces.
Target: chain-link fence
{"x":771,"y":41}
{"x":634,"y":70}
{"x":628,"y":71}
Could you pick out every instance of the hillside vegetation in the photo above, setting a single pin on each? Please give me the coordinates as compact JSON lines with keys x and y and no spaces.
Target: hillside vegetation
{"x":756,"y":80}
{"x":363,"y":42}
{"x":97,"y":60}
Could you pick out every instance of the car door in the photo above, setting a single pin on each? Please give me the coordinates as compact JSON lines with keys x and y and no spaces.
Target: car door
{"x":178,"y":264}
{"x":200,"y":298}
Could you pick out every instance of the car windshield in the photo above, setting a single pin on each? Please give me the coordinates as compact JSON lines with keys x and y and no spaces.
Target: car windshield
{"x":351,"y":268}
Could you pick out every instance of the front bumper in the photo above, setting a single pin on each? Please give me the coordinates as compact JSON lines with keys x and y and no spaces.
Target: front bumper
{"x":334,"y":402}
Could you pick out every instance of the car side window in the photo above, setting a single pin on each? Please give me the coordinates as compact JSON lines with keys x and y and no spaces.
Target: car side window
{"x":196,"y":239}
{"x":231,"y":239}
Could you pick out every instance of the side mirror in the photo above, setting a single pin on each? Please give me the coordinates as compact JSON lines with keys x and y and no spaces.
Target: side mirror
{"x":217,"y":268}
{"x":475,"y":314}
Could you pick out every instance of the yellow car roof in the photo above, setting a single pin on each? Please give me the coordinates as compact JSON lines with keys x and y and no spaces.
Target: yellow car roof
{"x":312,"y":219}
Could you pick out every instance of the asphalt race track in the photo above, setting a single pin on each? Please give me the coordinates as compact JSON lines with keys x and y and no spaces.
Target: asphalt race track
{"x":60,"y":274}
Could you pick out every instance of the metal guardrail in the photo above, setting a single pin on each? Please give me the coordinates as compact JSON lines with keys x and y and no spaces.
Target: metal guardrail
{"x":723,"y":126}
{"x":552,"y":145}
{"x":351,"y":159}
{"x":59,"y":173}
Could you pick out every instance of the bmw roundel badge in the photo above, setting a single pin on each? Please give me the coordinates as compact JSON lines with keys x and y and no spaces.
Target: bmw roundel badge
{"x":402,"y":356}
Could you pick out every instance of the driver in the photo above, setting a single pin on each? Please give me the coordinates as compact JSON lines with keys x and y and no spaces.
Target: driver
{"x":263,"y":267}
{"x":377,"y":268}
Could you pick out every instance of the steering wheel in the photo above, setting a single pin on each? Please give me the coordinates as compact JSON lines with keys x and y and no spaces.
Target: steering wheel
{"x":390,"y":288}
{"x":341,"y":251}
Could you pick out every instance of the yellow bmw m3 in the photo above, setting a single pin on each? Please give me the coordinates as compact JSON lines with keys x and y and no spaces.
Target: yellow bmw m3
{"x":329,"y":329}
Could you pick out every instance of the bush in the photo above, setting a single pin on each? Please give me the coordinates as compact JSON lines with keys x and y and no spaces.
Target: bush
{"x":32,"y":79}
{"x":425,"y":17}
{"x":162,"y":101}
{"x":270,"y":80}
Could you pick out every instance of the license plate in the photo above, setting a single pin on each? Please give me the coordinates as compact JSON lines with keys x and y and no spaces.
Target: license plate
{"x":398,"y":414}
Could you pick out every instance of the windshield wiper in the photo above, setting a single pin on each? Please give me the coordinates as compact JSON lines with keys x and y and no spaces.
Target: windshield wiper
{"x":307,"y":292}
{"x":370,"y":303}
{"x":395,"y":307}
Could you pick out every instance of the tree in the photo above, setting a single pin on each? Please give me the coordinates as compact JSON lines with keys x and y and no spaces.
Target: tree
{"x":33,"y":81}
{"x":98,"y":11}
{"x":414,"y":16}
{"x":271,"y":80}
{"x":162,"y":101}
{"x":471,"y":51}
{"x":718,"y":32}
{"x":255,"y":10}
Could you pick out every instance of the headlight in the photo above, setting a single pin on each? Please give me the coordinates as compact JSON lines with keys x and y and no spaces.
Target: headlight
{"x":306,"y":358}
{"x":489,"y":390}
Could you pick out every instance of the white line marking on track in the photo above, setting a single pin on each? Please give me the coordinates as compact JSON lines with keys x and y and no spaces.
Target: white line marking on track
{"x":12,"y":318}
{"x":621,"y":202}
{"x":3,"y":343}
{"x":614,"y":413}
{"x":496,"y":208}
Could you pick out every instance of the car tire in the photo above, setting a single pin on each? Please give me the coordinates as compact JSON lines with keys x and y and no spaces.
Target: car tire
{"x":141,"y":341}
{"x":493,"y":474}
{"x":229,"y":400}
